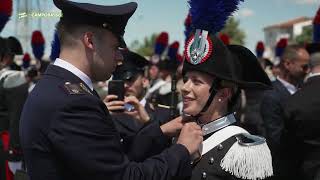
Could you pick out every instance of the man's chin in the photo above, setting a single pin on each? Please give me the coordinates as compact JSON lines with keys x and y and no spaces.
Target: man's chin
{"x":129,"y":94}
{"x":102,"y":78}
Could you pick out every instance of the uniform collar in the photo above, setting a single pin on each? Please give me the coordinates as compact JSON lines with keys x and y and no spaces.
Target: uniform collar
{"x":312,"y":75}
{"x":290,"y":87}
{"x":218,"y":124}
{"x":74,"y":70}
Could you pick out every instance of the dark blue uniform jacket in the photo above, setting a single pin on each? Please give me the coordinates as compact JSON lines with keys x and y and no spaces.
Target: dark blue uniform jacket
{"x":70,"y":135}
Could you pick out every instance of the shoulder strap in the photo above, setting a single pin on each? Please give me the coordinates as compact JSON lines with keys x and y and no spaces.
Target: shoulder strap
{"x":220,"y":136}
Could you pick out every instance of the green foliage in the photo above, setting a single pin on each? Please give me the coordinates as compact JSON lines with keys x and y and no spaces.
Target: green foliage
{"x":232,"y":29}
{"x":146,"y":47}
{"x":305,"y":36}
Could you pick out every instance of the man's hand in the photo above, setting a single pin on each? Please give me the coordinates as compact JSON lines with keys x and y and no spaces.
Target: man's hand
{"x":113,"y":105}
{"x":191,"y":137}
{"x":139,"y":111}
{"x":173,"y":127}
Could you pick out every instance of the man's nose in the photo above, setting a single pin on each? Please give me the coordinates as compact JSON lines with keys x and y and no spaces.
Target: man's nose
{"x":119,"y":57}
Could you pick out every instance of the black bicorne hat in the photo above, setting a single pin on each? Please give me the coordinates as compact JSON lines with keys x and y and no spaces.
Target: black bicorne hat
{"x":15,"y":45}
{"x":251,"y":74}
{"x":132,"y":65}
{"x":232,"y":63}
{"x":3,"y":46}
{"x":205,"y":52}
{"x":10,"y":45}
{"x":113,"y":18}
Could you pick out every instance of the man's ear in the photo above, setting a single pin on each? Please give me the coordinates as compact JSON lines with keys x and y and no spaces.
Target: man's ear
{"x":88,"y":40}
{"x":286,"y":63}
{"x":145,"y":82}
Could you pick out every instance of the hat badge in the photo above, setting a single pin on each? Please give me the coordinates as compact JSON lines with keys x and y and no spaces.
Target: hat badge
{"x":199,"y":47}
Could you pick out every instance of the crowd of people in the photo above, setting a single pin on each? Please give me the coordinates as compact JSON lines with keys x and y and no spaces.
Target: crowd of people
{"x":101,"y":111}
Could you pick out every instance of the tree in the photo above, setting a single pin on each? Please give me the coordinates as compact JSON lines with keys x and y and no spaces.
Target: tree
{"x":232,"y":29}
{"x":305,"y":36}
{"x":145,"y":48}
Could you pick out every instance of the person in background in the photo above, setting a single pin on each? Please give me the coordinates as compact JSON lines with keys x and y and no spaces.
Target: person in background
{"x":294,"y":66}
{"x":300,"y":137}
{"x":13,"y":94}
{"x":153,"y":74}
{"x":301,"y":132}
{"x":214,"y":74}
{"x":130,"y":121}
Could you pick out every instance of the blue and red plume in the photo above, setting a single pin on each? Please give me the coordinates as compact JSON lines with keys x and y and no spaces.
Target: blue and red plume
{"x":173,"y":50}
{"x":281,"y":45}
{"x":55,"y":47}
{"x":225,"y":38}
{"x":161,"y":43}
{"x":179,"y":58}
{"x":26,"y":61}
{"x":260,"y":49}
{"x":316,"y":27}
{"x":187,"y":25}
{"x":211,"y":15}
{"x":5,"y":12}
{"x":37,"y":43}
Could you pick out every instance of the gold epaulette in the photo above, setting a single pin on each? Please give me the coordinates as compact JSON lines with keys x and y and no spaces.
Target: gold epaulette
{"x":76,"y":89}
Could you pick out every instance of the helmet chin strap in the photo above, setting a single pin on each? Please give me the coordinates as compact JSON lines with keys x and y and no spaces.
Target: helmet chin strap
{"x":213,"y":91}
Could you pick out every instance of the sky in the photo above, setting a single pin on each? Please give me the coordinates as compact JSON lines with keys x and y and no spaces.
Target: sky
{"x":155,"y":16}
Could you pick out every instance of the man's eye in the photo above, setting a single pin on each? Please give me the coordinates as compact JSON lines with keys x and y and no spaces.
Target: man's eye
{"x":185,"y":79}
{"x":197,"y":82}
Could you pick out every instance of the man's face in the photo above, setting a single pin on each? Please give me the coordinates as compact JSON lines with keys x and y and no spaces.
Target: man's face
{"x":153,"y":72}
{"x":299,"y":67}
{"x":106,"y":55}
{"x":163,"y":74}
{"x":6,"y":60}
{"x":135,"y":86}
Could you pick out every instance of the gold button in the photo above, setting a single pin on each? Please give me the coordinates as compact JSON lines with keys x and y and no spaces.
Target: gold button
{"x":204,"y":175}
{"x":105,"y":25}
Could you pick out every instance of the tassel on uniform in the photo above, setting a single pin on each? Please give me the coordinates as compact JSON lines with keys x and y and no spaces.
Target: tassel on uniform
{"x":248,"y":161}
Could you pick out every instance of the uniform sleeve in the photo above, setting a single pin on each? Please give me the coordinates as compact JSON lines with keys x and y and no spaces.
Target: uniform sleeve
{"x":85,"y":138}
{"x":272,"y":116}
{"x":147,"y":142}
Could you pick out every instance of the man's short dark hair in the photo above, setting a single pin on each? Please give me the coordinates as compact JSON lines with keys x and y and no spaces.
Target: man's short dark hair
{"x":291,"y":52}
{"x":69,"y":32}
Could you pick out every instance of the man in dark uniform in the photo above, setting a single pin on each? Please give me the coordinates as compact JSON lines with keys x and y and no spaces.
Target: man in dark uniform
{"x":294,"y":67}
{"x":301,"y":130}
{"x":129,"y":122}
{"x":13,"y":94}
{"x":131,"y":71}
{"x":160,"y":92}
{"x":66,"y":130}
{"x":302,"y":127}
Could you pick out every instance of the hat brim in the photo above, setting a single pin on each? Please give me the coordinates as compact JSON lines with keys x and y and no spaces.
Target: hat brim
{"x":253,"y":76}
{"x":113,"y":18}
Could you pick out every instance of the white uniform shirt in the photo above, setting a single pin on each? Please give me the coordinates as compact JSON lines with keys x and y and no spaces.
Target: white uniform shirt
{"x":74,"y":70}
